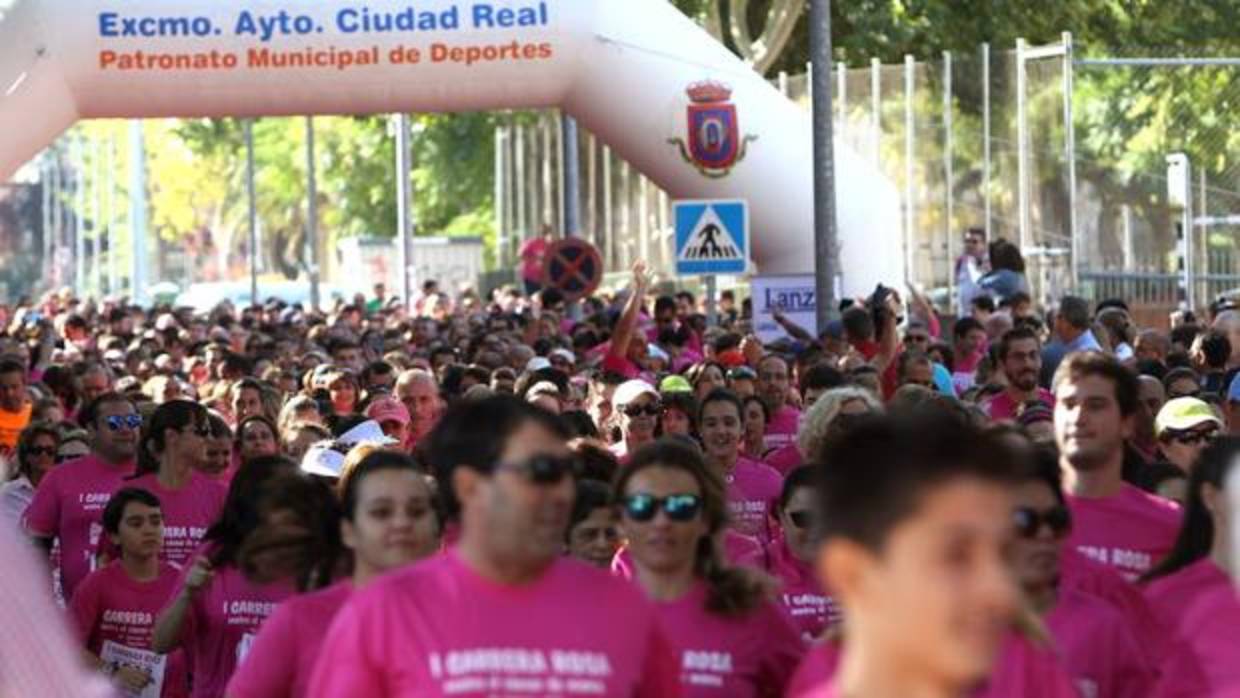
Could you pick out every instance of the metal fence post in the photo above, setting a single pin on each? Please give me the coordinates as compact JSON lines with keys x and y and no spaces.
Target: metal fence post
{"x":1069,"y":129}
{"x":1022,"y":148}
{"x":910,"y":143}
{"x":876,"y":107}
{"x":841,"y":91}
{"x":986,"y":166}
{"x":949,"y":171}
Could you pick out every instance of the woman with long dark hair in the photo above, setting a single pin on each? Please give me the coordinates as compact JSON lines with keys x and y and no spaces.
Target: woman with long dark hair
{"x":389,"y":521}
{"x":1192,"y":590}
{"x":171,"y":449}
{"x":752,"y":487}
{"x":733,"y":640}
{"x":278,"y":534}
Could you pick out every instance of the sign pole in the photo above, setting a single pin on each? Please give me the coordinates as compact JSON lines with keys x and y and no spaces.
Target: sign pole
{"x":404,"y":212}
{"x":712,"y":305}
{"x":571,"y":188}
{"x":312,"y":216}
{"x":826,"y":253}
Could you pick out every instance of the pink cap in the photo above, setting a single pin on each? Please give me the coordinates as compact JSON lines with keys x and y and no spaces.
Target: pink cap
{"x":388,"y":409}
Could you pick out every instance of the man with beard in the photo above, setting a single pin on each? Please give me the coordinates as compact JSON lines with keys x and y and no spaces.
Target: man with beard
{"x":1114,"y":523}
{"x":1020,"y":358}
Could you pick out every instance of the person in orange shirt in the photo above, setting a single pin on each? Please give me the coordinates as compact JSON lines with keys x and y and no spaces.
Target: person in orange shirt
{"x":15,"y":404}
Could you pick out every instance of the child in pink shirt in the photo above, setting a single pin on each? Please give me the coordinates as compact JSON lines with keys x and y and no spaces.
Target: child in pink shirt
{"x":188,"y":512}
{"x":389,"y":521}
{"x":114,"y":608}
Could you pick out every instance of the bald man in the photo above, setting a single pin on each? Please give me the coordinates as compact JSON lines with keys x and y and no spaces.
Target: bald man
{"x":418,"y":390}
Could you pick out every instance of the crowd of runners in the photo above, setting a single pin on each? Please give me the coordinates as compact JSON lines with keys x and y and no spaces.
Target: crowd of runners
{"x":510,"y":496}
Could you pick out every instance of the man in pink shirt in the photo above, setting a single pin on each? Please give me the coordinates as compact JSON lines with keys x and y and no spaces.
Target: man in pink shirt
{"x":69,"y":502}
{"x":1020,"y":357}
{"x":773,"y":385}
{"x":1113,"y":522}
{"x":504,"y":612}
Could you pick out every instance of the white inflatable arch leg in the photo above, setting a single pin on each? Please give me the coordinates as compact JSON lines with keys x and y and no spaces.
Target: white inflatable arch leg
{"x":623,"y":67}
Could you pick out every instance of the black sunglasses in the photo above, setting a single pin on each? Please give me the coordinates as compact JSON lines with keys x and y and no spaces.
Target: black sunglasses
{"x":41,"y":451}
{"x":545,"y":470}
{"x":801,"y":519}
{"x":1193,"y":438}
{"x":678,"y":507}
{"x":1029,"y":521}
{"x":653,"y":409}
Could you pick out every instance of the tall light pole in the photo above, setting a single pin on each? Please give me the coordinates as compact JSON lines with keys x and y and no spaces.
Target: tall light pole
{"x":826,"y":249}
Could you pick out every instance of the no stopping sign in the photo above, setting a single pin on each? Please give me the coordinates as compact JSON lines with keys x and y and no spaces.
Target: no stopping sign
{"x":573,"y":267}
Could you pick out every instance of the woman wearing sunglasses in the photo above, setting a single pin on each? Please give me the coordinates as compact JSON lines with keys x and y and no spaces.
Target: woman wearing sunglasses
{"x":389,"y":521}
{"x":172,"y":447}
{"x":791,"y":560}
{"x":732,"y":639}
{"x":1184,"y":427}
{"x":752,"y":488}
{"x":1191,"y":591}
{"x":636,"y":407}
{"x":1097,"y":645}
{"x":36,"y":455}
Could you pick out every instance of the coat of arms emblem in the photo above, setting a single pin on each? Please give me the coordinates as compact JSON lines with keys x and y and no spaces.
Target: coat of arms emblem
{"x":715,"y":144}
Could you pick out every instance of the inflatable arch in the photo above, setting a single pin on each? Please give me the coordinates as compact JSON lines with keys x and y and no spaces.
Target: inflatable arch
{"x":642,"y":76}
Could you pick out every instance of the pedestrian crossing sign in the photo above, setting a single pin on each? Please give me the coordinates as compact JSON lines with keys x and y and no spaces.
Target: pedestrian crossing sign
{"x":712,"y":237}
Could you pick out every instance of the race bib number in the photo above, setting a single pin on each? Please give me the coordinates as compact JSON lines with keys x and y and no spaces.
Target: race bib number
{"x":145,"y":660}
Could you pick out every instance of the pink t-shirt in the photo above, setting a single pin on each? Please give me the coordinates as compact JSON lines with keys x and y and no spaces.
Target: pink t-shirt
{"x":1103,"y":582}
{"x":437,"y":629}
{"x":742,"y":657}
{"x":1027,"y":670}
{"x":1130,"y":531}
{"x":753,"y":494}
{"x":282,"y":658}
{"x":1003,"y":408}
{"x":1022,"y":670}
{"x":222,"y":622}
{"x":533,"y":253}
{"x":785,"y":459}
{"x":1200,"y":604}
{"x":110,"y":606}
{"x":1098,"y":648}
{"x":68,"y":505}
{"x":188,"y":513}
{"x":801,"y":595}
{"x":782,"y":429}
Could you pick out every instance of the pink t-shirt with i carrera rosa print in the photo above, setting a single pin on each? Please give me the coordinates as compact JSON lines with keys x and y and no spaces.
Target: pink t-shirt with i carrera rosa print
{"x":437,"y":629}
{"x":753,"y":492}
{"x":1130,"y":531}
{"x":751,"y":655}
{"x":68,"y":505}
{"x":188,"y":512}
{"x":222,"y":621}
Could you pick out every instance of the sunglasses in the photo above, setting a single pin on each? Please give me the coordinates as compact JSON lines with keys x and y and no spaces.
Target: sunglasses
{"x":1029,"y":521}
{"x":678,"y":507}
{"x":653,"y":409}
{"x":742,"y":373}
{"x":916,"y":339}
{"x":545,"y":470}
{"x":801,"y":519}
{"x":117,"y":422}
{"x":1194,"y":438}
{"x":41,"y":451}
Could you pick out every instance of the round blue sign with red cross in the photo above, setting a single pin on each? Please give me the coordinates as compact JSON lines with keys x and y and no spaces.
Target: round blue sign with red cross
{"x":573,"y":267}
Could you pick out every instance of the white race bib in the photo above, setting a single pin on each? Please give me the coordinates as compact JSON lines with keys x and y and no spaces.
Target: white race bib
{"x":150,"y":662}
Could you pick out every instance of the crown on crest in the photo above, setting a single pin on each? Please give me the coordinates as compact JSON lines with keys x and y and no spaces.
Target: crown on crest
{"x":709,"y":91}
